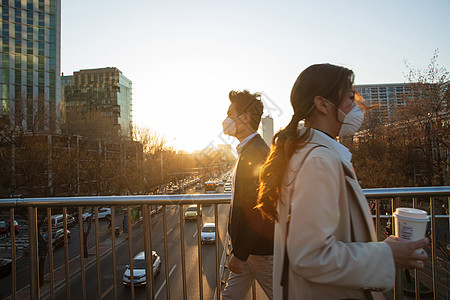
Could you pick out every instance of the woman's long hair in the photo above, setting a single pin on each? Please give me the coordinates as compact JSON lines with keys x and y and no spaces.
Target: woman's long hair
{"x":325,"y":80}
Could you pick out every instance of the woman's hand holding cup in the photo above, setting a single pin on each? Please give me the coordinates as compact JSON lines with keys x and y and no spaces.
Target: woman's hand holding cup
{"x":405,"y":254}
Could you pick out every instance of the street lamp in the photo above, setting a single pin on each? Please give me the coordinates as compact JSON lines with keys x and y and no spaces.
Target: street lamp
{"x":162,"y":164}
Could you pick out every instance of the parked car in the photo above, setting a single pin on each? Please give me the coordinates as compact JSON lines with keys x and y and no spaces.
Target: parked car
{"x":103,"y":213}
{"x":58,"y":238}
{"x":5,"y":226}
{"x":227,"y":187}
{"x":208,"y":233}
{"x":191,"y":212}
{"x":5,"y":267}
{"x":57,"y":222}
{"x":139,"y":275}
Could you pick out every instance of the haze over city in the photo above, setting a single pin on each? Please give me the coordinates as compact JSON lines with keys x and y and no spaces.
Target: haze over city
{"x":184,"y":57}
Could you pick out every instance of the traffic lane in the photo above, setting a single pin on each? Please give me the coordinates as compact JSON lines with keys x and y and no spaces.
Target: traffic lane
{"x":209,"y":250}
{"x":158,"y":245}
{"x":122,"y":259}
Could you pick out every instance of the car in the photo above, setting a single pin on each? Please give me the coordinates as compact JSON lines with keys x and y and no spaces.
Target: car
{"x":227,"y":187}
{"x":208,"y":233}
{"x":5,"y":227}
{"x":58,"y":222}
{"x":58,"y":238}
{"x":103,"y":213}
{"x":139,"y":275}
{"x":191,"y":212}
{"x":5,"y":266}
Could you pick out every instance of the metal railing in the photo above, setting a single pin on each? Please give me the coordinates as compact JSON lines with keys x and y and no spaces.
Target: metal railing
{"x":381,"y":199}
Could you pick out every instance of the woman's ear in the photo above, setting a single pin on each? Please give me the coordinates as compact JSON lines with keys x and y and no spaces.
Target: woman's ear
{"x":321,"y":104}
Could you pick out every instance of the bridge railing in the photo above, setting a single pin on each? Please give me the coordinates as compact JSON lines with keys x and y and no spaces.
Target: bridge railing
{"x":434,"y":279}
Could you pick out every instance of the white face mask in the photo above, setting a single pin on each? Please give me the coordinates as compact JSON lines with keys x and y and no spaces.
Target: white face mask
{"x":352,"y":121}
{"x":229,"y":126}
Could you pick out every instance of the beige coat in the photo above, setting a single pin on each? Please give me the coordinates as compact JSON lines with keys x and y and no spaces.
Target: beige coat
{"x":330,"y":246}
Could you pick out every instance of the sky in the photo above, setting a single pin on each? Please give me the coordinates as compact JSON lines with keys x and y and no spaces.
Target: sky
{"x":184,"y":57}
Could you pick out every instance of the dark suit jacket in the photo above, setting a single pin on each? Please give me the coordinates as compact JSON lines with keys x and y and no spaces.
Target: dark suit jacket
{"x":249,"y":232}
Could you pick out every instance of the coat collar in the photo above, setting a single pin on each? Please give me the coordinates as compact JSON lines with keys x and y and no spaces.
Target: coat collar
{"x":242,"y":148}
{"x":321,"y":140}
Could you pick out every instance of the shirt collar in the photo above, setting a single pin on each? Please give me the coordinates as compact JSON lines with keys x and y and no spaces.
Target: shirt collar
{"x":245,"y":141}
{"x":344,"y":153}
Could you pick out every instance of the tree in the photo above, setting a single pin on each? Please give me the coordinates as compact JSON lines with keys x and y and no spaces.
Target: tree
{"x":411,"y":148}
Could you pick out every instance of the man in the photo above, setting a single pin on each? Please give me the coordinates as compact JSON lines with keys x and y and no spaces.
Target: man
{"x":251,"y":234}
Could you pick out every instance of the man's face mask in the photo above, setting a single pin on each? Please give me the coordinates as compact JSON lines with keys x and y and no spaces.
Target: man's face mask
{"x":229,"y":126}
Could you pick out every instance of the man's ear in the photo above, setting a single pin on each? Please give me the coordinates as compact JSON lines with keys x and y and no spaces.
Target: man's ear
{"x":321,"y":104}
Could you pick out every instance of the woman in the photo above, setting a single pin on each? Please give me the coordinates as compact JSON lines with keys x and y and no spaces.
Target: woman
{"x":328,"y":243}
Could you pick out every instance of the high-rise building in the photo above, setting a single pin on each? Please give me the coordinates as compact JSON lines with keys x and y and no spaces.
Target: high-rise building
{"x":30,"y":87}
{"x":267,"y":129}
{"x":104,"y":95}
{"x":387,"y":96}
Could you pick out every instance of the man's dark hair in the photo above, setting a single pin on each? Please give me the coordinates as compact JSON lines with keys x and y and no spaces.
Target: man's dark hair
{"x":246,"y":102}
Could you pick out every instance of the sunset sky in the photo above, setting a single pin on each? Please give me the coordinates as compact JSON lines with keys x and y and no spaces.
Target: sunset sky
{"x":183,"y":57}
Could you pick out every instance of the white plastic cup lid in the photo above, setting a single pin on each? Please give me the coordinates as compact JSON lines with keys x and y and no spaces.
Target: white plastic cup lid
{"x":412,"y":214}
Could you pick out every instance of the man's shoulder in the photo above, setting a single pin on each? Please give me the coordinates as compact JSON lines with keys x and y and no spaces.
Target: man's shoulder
{"x":258,"y":146}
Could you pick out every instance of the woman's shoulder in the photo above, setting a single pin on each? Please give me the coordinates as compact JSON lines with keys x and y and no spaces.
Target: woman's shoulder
{"x":313,"y":150}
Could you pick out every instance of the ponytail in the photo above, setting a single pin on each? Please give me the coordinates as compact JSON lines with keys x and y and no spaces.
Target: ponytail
{"x":284,"y":144}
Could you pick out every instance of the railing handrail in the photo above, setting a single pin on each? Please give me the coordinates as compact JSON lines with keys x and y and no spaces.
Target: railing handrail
{"x":434,"y":191}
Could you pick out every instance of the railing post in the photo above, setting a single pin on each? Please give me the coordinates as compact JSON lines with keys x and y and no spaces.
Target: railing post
{"x":183,"y":251}
{"x":433,"y":249}
{"x":66,"y":253}
{"x":199,"y":244}
{"x":13,"y":253}
{"x":33,"y":252}
{"x":166,"y":252}
{"x":113,"y":248}
{"x":148,"y":251}
{"x":130,"y":251}
{"x":50,"y":252}
{"x":82,"y":263}
{"x":218,"y":280}
{"x":97,"y":254}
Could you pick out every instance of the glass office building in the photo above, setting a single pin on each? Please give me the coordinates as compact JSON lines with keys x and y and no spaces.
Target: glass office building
{"x":104,"y":93}
{"x":30,"y":43}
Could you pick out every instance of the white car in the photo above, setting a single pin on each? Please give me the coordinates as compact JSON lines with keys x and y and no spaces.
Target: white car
{"x":103,"y":213}
{"x":227,"y":188}
{"x":208,"y":233}
{"x":139,"y":276}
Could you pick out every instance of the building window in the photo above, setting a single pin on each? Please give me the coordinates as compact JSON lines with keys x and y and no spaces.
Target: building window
{"x":18,"y":15}
{"x":18,"y":61}
{"x":5,"y":13}
{"x":41,"y":63}
{"x":29,"y":47}
{"x":41,"y":48}
{"x":5,"y":60}
{"x":29,"y":32}
{"x":18,"y":33}
{"x":52,"y":35}
{"x":30,"y":62}
{"x":30,"y":78}
{"x":5,"y":91}
{"x":5,"y":76}
{"x":41,"y":34}
{"x":5,"y":45}
{"x":5,"y":29}
{"x":18,"y":46}
{"x":51,"y":50}
{"x":52,"y":21}
{"x":18,"y":4}
{"x":30,"y":5}
{"x":29,"y":17}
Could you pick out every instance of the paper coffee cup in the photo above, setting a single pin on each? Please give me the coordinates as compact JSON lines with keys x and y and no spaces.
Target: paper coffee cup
{"x":410,"y":223}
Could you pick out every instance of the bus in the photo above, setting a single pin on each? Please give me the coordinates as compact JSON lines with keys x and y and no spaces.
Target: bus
{"x":210,"y":187}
